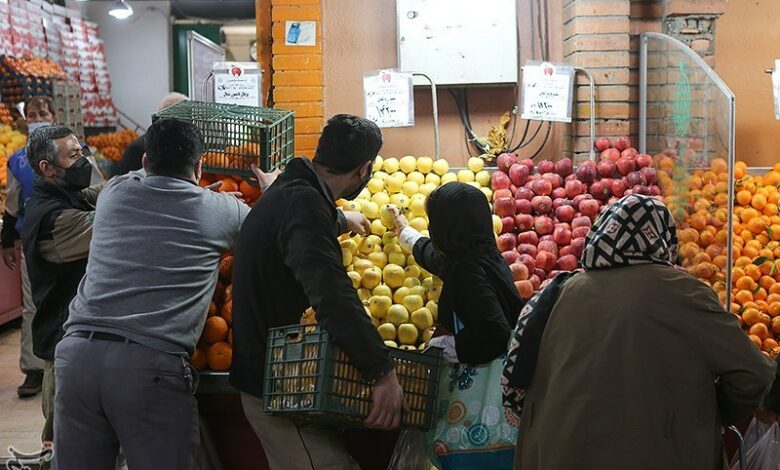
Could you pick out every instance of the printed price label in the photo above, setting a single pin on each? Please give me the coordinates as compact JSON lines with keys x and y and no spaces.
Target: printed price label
{"x":389,"y":98}
{"x":547,"y":92}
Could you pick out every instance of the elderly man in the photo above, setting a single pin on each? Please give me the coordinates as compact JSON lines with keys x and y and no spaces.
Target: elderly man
{"x":56,"y":233}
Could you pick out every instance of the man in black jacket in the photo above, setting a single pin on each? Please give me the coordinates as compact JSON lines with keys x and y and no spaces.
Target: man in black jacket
{"x":56,"y":233}
{"x":287,"y":259}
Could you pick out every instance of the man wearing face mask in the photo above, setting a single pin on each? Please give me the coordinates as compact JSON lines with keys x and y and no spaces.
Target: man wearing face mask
{"x":39,"y":112}
{"x":56,"y":233}
{"x":287,"y":259}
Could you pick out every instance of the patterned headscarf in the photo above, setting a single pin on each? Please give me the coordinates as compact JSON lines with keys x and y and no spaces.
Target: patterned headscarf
{"x":635,"y":230}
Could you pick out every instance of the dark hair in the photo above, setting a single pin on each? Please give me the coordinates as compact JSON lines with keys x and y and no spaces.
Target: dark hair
{"x":41,"y":146}
{"x":347,"y":142}
{"x":40,"y":102}
{"x":173,"y":147}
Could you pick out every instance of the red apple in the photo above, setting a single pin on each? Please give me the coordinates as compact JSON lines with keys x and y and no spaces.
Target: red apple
{"x":528,"y":238}
{"x":524,"y":193}
{"x":535,"y":281}
{"x":600,"y":191}
{"x":655,"y":190}
{"x":505,"y":161}
{"x":619,"y":187}
{"x":507,"y":224}
{"x":642,"y":190}
{"x":543,"y":225}
{"x":528,"y":260}
{"x":577,"y":245}
{"x":636,"y":178}
{"x":499,"y":180}
{"x":565,"y":250}
{"x":602,"y":143}
{"x":644,"y":160}
{"x":525,"y":289}
{"x":558,"y":193}
{"x":561,"y":236}
{"x":519,"y":271}
{"x":518,"y":174}
{"x":542,"y":204}
{"x":561,"y":201}
{"x":567,"y":263}
{"x":564,"y":167}
{"x":586,"y":174}
{"x":555,"y":180}
{"x":506,"y":242}
{"x":504,"y":207}
{"x":590,"y":207}
{"x":622,"y":143}
{"x":610,"y":155}
{"x":581,"y":231}
{"x":527,"y":249}
{"x":630,"y":153}
{"x":606,"y":168}
{"x":625,"y":166}
{"x":512,"y":189}
{"x":650,"y":174}
{"x":523,"y":206}
{"x":546,"y":260}
{"x":542,"y":187}
{"x":578,"y":199}
{"x":548,"y":245}
{"x":565,"y":213}
{"x":524,"y":222}
{"x":499,"y":193}
{"x":510,"y":256}
{"x":574,"y":188}
{"x":528,"y":163}
{"x":546,"y":166}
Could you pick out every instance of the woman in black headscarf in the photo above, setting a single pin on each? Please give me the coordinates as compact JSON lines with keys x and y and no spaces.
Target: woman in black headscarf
{"x":479,"y":301}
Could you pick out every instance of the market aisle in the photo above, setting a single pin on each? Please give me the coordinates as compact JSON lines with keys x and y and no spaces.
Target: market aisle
{"x":22,"y":420}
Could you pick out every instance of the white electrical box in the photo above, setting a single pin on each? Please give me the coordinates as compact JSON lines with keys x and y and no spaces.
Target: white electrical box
{"x":458,"y":42}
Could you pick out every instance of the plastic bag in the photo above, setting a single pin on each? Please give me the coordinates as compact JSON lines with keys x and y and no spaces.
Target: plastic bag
{"x":765,"y":454}
{"x":410,"y":452}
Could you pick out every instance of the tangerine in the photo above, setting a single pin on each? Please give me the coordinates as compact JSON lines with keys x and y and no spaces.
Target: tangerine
{"x":226,"y":268}
{"x":215,"y":330}
{"x":198,"y":359}
{"x":212,"y":309}
{"x":249,"y":190}
{"x":760,"y":330}
{"x":220,"y":356}
{"x":756,"y":340}
{"x":227,"y":312}
{"x":751,"y":316}
{"x":229,"y":185}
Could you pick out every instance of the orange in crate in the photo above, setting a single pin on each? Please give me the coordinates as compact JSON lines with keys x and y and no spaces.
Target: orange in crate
{"x":215,"y":330}
{"x":220,"y":356}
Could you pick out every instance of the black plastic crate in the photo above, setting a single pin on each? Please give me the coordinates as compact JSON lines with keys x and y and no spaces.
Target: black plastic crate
{"x":309,"y":379}
{"x":237,"y":136}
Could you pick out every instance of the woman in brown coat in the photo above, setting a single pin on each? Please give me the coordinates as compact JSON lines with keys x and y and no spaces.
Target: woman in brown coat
{"x":631,"y":364}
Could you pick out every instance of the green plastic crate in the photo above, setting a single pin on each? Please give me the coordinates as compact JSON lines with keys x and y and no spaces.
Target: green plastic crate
{"x":237,"y":136}
{"x":309,"y":379}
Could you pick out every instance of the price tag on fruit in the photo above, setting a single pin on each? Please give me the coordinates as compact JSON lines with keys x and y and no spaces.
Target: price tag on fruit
{"x":547,"y":92}
{"x":389,"y":98}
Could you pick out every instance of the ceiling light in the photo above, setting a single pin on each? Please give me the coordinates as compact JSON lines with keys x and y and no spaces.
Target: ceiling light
{"x":121,"y":10}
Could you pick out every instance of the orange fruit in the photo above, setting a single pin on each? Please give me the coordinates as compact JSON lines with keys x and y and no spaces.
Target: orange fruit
{"x":718,"y":165}
{"x":701,"y":258}
{"x":248,"y":190}
{"x":765,"y":319}
{"x":758,"y":201}
{"x":227,"y":312}
{"x":760,"y":294}
{"x":756,"y":340}
{"x":751,"y":316}
{"x":766,"y":282}
{"x":706,"y":238}
{"x":229,"y":293}
{"x":760,"y":330}
{"x":744,"y":197}
{"x":742,"y":261}
{"x":770,"y":344}
{"x":226,"y":268}
{"x":748,"y":214}
{"x":220,"y":356}
{"x":769,"y":209}
{"x":688,"y":235}
{"x":753,"y":271}
{"x":743,"y":296}
{"x":776,"y":324}
{"x":215,"y":330}
{"x":774,"y":310}
{"x":745,"y":283}
{"x":775,"y":289}
{"x":228,"y":185}
{"x":756,"y":225}
{"x":212,"y":309}
{"x":720,"y":261}
{"x":198,"y":359}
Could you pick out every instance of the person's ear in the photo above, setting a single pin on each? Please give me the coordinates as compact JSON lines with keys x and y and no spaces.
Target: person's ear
{"x":365,"y":170}
{"x":199,"y":170}
{"x":46,"y":168}
{"x":145,"y":162}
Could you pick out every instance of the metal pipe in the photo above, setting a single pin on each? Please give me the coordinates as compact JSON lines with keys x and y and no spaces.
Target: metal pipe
{"x":435,"y":106}
{"x":592,"y":111}
{"x":643,"y":94}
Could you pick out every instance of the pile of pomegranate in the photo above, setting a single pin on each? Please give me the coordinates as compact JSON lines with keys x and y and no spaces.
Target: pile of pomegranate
{"x":546,"y":210}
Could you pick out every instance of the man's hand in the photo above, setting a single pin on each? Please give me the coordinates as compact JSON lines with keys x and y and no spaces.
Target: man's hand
{"x":400,"y":221}
{"x":388,"y":398}
{"x":215,"y":187}
{"x":265,"y":179}
{"x":9,"y":258}
{"x":357,"y":222}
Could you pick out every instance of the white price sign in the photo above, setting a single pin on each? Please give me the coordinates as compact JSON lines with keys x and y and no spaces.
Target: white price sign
{"x":776,"y":88}
{"x":235,"y":83}
{"x":389,"y":98}
{"x":547,"y":92}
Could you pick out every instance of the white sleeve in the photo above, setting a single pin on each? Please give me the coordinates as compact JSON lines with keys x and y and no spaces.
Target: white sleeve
{"x":409,"y":237}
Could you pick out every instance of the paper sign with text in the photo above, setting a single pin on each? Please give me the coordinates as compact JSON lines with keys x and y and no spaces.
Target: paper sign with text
{"x":239,"y":85}
{"x":389,"y":98}
{"x":547,"y":92}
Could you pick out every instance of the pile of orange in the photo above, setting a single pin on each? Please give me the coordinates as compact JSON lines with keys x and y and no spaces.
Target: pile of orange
{"x":112,"y":144}
{"x":232,"y":184}
{"x":215,"y":347}
{"x":238,"y":157}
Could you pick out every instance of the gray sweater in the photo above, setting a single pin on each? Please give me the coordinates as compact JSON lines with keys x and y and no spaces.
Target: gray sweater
{"x":153,"y":260}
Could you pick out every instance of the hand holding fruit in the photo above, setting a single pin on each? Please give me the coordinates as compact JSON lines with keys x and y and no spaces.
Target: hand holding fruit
{"x":357,"y":222}
{"x":236,"y":194}
{"x":400,"y":221}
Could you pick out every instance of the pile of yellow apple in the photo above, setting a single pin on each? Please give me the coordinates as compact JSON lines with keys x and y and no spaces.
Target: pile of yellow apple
{"x":399,"y":296}
{"x":10,"y":142}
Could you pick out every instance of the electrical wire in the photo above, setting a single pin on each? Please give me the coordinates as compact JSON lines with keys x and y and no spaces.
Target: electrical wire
{"x":544,"y":142}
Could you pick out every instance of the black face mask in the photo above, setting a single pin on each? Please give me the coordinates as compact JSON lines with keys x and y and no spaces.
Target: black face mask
{"x":79,"y":175}
{"x":353,"y":194}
